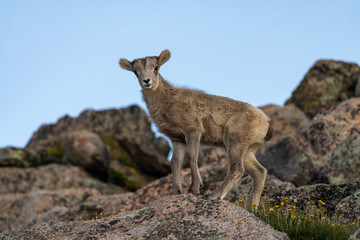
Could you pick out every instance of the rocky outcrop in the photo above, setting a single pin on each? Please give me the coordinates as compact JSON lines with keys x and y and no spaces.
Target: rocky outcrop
{"x":50,"y":177}
{"x":18,"y":210}
{"x":327,"y":84}
{"x":24,"y":158}
{"x":114,"y":145}
{"x":316,"y":140}
{"x":171,"y":217}
{"x":286,"y":120}
{"x":325,"y":151}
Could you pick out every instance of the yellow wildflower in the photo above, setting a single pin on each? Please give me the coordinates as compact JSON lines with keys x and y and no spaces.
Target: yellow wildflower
{"x":101,"y":213}
{"x":271,"y":209}
{"x":294,"y":207}
{"x":277,"y":206}
{"x":241,"y":200}
{"x":312,"y":215}
{"x":323,"y":218}
{"x":293,"y":216}
{"x":353,"y":223}
{"x":321,"y":202}
{"x":282,"y":204}
{"x":333,"y":225}
{"x":109,"y":209}
{"x":92,"y":218}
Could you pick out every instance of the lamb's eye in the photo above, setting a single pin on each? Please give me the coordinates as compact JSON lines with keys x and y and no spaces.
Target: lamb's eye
{"x":156,"y":68}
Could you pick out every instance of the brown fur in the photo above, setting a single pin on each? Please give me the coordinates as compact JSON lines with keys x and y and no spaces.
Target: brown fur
{"x":190,"y":118}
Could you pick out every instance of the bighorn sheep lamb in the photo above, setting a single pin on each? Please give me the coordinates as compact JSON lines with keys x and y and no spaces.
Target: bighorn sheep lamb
{"x":190,"y":118}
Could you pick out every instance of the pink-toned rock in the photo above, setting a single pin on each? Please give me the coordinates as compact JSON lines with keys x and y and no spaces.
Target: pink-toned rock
{"x":85,"y":149}
{"x":171,"y":217}
{"x":18,"y":210}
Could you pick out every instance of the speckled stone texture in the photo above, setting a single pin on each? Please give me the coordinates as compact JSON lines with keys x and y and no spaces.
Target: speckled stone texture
{"x":342,"y":199}
{"x":326,"y":85}
{"x":171,"y":217}
{"x":118,"y":142}
{"x":325,"y":151}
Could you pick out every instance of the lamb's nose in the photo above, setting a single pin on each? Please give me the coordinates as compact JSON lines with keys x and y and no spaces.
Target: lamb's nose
{"x":146,"y":81}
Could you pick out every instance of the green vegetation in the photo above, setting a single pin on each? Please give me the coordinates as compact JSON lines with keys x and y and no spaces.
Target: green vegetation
{"x":309,"y":222}
{"x":56,"y":150}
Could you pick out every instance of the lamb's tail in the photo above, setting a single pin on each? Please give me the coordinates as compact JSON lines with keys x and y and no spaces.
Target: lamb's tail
{"x":269,"y":133}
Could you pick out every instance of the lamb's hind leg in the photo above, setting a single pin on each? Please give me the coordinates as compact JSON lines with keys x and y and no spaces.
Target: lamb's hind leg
{"x":257,"y":173}
{"x":176,"y":165}
{"x":192,"y":153}
{"x":236,"y":171}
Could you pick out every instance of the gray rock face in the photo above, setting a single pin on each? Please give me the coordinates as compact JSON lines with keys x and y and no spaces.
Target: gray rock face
{"x":325,"y":85}
{"x":335,"y":197}
{"x":171,"y":217}
{"x":24,"y":158}
{"x":349,"y":207}
{"x":325,"y":151}
{"x":116,"y":145}
{"x":356,"y":235}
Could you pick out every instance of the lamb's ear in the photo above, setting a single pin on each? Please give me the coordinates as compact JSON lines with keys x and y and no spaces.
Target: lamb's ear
{"x":164,"y":57}
{"x":125,"y":64}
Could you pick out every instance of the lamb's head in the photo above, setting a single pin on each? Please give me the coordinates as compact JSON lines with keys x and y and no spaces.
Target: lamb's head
{"x":146,"y":69}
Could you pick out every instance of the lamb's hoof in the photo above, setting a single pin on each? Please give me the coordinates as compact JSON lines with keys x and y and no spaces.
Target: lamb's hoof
{"x":195,"y":192}
{"x":175,"y":191}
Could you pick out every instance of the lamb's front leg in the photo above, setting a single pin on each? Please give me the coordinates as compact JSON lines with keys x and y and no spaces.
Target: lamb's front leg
{"x":192,"y":153}
{"x":176,"y":165}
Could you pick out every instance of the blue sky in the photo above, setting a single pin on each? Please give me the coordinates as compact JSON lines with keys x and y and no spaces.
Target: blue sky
{"x":61,"y":57}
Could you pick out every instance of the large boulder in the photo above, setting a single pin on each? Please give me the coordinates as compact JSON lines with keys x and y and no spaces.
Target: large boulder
{"x":117,"y":142}
{"x":85,"y":149}
{"x":171,"y":217}
{"x":325,"y":151}
{"x":286,"y":120}
{"x":50,"y":177}
{"x":326,"y":85}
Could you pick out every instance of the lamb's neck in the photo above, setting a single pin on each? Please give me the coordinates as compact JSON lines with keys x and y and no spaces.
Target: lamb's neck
{"x":158,"y":98}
